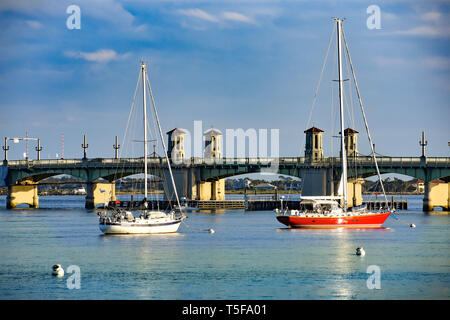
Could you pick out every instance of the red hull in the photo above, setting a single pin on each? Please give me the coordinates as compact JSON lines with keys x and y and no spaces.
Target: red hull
{"x":364,"y":221}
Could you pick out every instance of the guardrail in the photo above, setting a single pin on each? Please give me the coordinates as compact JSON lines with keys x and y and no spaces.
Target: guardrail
{"x":230,"y":161}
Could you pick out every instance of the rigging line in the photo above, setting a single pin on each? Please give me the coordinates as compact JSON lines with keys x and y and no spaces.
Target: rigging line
{"x":164,"y":145}
{"x":365,"y":120}
{"x":320,"y":80}
{"x":128,"y":122}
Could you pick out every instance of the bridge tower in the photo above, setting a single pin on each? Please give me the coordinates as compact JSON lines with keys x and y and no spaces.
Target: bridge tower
{"x":214,"y":190}
{"x":351,"y":142}
{"x":176,"y":154}
{"x":313,"y":146}
{"x":316,"y":181}
{"x":175,"y":145}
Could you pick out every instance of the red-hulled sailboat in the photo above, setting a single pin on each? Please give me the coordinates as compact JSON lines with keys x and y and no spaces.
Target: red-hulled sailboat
{"x":326,"y":211}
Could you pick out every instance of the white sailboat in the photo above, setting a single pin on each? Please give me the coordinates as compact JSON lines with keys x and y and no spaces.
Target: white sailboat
{"x":120,"y":221}
{"x":325,"y":211}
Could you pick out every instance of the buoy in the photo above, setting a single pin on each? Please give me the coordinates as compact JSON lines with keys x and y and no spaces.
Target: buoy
{"x":360,"y":251}
{"x":211,"y":231}
{"x":57,"y":270}
{"x":412,"y":225}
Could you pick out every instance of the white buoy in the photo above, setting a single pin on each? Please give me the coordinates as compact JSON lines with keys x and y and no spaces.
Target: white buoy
{"x":360,"y":251}
{"x":211,"y":231}
{"x":412,"y":225}
{"x":57,"y":270}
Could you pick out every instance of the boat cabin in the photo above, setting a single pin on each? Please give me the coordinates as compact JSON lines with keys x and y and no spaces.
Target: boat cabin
{"x":320,"y":206}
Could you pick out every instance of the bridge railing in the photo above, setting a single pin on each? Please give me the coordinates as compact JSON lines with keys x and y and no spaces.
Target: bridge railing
{"x":360,"y":160}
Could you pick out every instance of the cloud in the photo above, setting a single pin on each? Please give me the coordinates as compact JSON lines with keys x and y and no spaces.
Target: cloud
{"x":435,"y":63}
{"x":34,"y":24}
{"x":102,"y":55}
{"x":199,"y":14}
{"x":235,"y":16}
{"x":218,"y":18}
{"x":428,"y":24}
{"x":440,"y":63}
{"x":431,"y":16}
{"x":426,"y":31}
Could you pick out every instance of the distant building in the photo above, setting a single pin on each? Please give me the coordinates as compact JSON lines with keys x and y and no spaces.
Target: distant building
{"x":79,"y":191}
{"x":418,"y":184}
{"x":264,"y":186}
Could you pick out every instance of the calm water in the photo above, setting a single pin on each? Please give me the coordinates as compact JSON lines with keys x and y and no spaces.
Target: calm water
{"x":251,"y":256}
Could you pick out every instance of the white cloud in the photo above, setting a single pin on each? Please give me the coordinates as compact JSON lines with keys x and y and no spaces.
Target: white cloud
{"x":34,"y":24}
{"x":102,"y":55}
{"x":200,"y":14}
{"x":427,"y":31}
{"x":219,"y":18}
{"x":235,"y":16}
{"x":431,"y":16}
{"x":436,"y":62}
{"x":388,"y":16}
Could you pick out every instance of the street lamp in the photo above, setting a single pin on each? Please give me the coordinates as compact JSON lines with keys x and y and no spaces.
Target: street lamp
{"x":17,"y":140}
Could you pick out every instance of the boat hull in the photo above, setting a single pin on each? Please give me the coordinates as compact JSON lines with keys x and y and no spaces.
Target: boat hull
{"x":359,"y":222}
{"x":130,"y":228}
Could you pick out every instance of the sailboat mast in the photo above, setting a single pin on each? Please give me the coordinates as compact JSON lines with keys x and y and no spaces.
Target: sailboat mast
{"x":341,"y":105}
{"x":144,"y":104}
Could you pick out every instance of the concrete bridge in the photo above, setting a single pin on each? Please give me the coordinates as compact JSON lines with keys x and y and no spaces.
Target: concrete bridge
{"x":203,"y":179}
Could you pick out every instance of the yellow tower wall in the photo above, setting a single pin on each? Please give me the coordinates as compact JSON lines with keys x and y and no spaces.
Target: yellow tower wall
{"x":438,"y":195}
{"x":94,"y":196}
{"x":22,"y":194}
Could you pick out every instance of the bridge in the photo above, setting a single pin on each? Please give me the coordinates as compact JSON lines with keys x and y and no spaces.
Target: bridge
{"x":202,"y":179}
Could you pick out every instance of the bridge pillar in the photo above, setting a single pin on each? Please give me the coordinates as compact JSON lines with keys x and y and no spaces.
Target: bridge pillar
{"x":99,"y":192}
{"x":204,"y":190}
{"x":18,"y":194}
{"x":218,"y":190}
{"x":316,"y":182}
{"x":320,"y":182}
{"x":436,"y":195}
{"x":354,"y":192}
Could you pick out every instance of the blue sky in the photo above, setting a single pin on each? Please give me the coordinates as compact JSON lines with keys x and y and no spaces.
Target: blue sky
{"x":231,"y":64}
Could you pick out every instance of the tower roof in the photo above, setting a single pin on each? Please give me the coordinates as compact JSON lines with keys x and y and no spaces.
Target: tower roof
{"x":176,"y":131}
{"x":212,"y":132}
{"x":313,"y":129}
{"x":349,"y":130}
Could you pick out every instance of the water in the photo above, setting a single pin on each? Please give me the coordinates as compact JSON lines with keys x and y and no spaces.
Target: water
{"x":251,"y":256}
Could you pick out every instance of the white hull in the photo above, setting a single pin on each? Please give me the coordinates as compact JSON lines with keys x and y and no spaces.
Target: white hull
{"x":140,"y":228}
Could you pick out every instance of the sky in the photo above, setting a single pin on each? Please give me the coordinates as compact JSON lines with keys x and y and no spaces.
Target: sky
{"x":230,"y":64}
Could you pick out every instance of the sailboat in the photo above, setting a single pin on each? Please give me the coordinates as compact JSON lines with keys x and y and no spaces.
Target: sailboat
{"x":326,"y":211}
{"x":119,"y":221}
